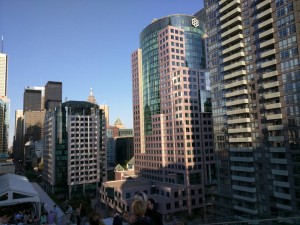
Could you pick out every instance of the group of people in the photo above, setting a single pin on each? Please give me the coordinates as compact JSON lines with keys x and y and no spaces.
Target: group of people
{"x":23,"y":216}
{"x":143,"y":212}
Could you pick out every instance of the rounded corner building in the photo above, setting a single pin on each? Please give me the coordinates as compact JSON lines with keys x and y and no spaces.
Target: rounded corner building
{"x":172,"y":124}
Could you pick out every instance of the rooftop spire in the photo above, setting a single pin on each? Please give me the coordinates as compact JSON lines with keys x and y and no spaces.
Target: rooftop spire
{"x":91,"y":97}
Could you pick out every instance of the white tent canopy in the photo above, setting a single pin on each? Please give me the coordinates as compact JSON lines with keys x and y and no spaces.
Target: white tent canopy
{"x":15,"y":189}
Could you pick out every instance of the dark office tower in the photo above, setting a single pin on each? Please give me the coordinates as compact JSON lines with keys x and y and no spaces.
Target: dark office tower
{"x":253,"y":49}
{"x":53,"y":94}
{"x":33,"y":99}
{"x":172,"y":130}
{"x":4,"y":124}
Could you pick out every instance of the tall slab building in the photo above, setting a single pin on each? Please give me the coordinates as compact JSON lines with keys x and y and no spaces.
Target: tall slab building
{"x":4,"y":105}
{"x":253,"y":49}
{"x":172,"y":121}
{"x":3,"y":74}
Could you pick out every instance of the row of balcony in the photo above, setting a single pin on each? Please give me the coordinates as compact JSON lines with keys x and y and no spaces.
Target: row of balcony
{"x":238,"y":111}
{"x":231,"y":39}
{"x":227,"y":6}
{"x":236,"y":83}
{"x":237,"y":92}
{"x":235,"y":74}
{"x":236,"y":10}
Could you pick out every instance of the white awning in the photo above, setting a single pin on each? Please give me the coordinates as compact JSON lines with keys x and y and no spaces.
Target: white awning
{"x":15,"y":189}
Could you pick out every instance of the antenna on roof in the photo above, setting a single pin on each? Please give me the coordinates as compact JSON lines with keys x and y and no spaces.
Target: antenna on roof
{"x":2,"y":44}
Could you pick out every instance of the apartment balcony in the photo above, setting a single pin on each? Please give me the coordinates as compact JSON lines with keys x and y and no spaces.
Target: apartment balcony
{"x":272,"y":95}
{"x":265,"y":2}
{"x":267,"y":53}
{"x":271,"y":84}
{"x":247,"y":199}
{"x":222,"y":2}
{"x":273,"y":106}
{"x":232,"y":30}
{"x":239,"y":130}
{"x":274,"y":116}
{"x":241,"y":159}
{"x":281,"y":206}
{"x":227,"y":6}
{"x":235,"y":74}
{"x":276,"y":138}
{"x":235,"y":93}
{"x":243,"y":149}
{"x":241,"y":120}
{"x":240,"y":139}
{"x":265,"y":23}
{"x":244,"y":179}
{"x":233,"y":38}
{"x":246,"y":189}
{"x":265,"y":33}
{"x":238,"y":111}
{"x":282,"y":195}
{"x":236,"y":10}
{"x":277,"y":149}
{"x":280,"y":172}
{"x":268,"y":63}
{"x":281,"y":184}
{"x":270,"y":74}
{"x":234,"y":56}
{"x":262,"y":14}
{"x":266,"y":43}
{"x":237,"y":102}
{"x":275,"y":127}
{"x":243,"y":169}
{"x":246,"y":210}
{"x":233,"y":47}
{"x":278,"y":161}
{"x":238,"y":18}
{"x":236,"y":82}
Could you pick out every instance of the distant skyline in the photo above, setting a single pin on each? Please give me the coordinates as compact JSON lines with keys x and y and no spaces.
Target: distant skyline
{"x":83,"y":44}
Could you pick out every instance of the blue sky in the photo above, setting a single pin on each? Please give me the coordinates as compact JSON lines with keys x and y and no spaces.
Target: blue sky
{"x":82,"y":43}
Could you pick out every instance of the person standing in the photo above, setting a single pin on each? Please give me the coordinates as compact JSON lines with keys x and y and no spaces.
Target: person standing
{"x":151,"y":212}
{"x":138,"y":217}
{"x":78,"y":215}
{"x":55,"y":211}
{"x":69,"y":213}
{"x":51,"y":218}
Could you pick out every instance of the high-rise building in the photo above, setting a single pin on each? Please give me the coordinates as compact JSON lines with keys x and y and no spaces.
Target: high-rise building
{"x":74,"y":154}
{"x":3,"y":74}
{"x":53,"y":95}
{"x":253,"y":49}
{"x":173,"y":143}
{"x":4,"y":124}
{"x":4,"y":105}
{"x":33,"y":99}
{"x":18,"y":153}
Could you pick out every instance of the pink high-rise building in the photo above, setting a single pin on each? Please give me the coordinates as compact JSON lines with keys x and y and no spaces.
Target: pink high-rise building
{"x":173,"y":143}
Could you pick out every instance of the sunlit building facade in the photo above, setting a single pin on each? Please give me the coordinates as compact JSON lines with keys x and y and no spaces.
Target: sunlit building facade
{"x":172,"y":114}
{"x":3,"y":74}
{"x":253,"y":50}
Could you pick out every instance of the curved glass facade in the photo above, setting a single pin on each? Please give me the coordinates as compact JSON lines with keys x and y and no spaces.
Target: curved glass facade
{"x":194,"y":57}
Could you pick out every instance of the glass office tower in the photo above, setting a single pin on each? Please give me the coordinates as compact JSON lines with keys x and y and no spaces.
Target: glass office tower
{"x":253,"y":55}
{"x":172,"y":119}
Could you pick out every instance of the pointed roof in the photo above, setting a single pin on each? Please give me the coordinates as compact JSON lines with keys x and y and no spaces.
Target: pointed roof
{"x":119,"y":168}
{"x":131,"y":161}
{"x":91,"y":97}
{"x":118,"y":123}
